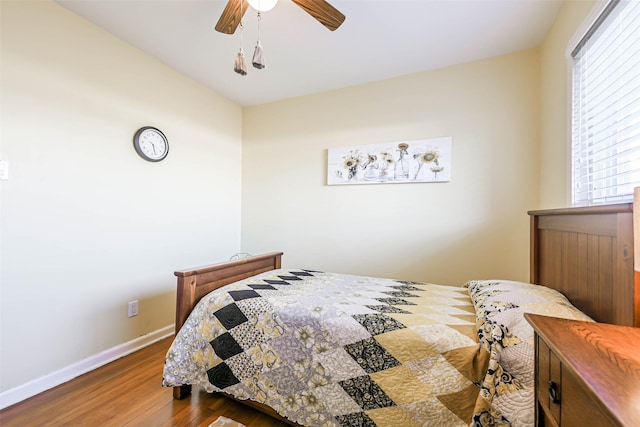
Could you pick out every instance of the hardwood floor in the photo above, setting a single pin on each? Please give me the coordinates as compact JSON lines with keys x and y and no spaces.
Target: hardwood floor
{"x":128,"y":392}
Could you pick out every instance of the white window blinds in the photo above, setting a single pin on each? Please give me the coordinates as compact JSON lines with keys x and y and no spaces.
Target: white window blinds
{"x":606,"y":107}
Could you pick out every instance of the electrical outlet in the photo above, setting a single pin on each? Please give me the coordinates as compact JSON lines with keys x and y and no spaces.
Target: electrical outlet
{"x":133,"y":308}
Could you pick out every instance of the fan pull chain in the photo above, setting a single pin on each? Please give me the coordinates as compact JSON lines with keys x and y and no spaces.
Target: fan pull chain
{"x":258,"y":54}
{"x":240,"y":64}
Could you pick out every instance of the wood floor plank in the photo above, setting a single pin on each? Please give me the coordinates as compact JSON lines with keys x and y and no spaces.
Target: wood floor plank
{"x":128,"y":392}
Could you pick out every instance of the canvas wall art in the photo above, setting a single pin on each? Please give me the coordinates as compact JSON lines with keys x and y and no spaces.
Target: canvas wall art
{"x":424,"y":160}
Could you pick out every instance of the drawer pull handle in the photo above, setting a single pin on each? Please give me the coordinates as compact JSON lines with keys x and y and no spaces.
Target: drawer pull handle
{"x":553,"y":392}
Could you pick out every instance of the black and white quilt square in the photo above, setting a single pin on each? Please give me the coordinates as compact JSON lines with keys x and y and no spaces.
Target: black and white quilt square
{"x":377,"y":324}
{"x":288,"y":278}
{"x":247,"y":336}
{"x":276,"y":282}
{"x":225,"y":346}
{"x":222,"y":376}
{"x":359,"y":419}
{"x":366,"y":393}
{"x":262,"y":287}
{"x":243,"y":367}
{"x":243,"y":294}
{"x":230,"y":316}
{"x":395,"y":301}
{"x":255,"y":308}
{"x":408,"y":288}
{"x":410,"y":284}
{"x":371,"y":356}
{"x":383,"y":308}
{"x":401,"y":294}
{"x":301,"y":273}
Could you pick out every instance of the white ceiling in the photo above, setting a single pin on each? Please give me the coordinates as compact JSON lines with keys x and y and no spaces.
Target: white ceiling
{"x":379,"y":39}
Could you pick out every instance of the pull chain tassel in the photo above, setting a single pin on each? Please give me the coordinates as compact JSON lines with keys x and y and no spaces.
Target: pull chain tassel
{"x":258,"y":57}
{"x":258,"y":53}
{"x":240,"y":65}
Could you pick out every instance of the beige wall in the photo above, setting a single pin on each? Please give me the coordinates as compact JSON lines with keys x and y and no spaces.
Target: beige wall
{"x":475,"y":226}
{"x":555,"y":105}
{"x":87,"y":225}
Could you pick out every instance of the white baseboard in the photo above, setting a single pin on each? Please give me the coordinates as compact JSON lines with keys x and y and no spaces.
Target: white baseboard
{"x":34,"y":387}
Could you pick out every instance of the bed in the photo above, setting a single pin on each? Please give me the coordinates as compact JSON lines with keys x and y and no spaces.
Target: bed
{"x":319,"y":348}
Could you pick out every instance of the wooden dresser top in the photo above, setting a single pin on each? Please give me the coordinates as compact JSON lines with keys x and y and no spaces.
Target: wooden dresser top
{"x":606,"y":357}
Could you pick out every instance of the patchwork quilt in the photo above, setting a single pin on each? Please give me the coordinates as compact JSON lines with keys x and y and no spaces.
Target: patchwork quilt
{"x":326,"y":349}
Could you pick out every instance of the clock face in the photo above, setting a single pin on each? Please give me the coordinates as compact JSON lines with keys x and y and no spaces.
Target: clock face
{"x":151,"y":144}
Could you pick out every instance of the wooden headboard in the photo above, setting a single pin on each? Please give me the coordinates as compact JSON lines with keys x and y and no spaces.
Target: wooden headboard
{"x":587,"y":254}
{"x":195,"y":283}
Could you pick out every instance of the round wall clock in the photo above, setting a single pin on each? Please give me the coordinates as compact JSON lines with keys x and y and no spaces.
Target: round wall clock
{"x":151,"y":144}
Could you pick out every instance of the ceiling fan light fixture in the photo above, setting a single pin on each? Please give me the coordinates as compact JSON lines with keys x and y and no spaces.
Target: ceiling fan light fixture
{"x":262,"y":5}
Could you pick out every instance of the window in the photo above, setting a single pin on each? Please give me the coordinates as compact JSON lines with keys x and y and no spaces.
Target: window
{"x":606,"y":107}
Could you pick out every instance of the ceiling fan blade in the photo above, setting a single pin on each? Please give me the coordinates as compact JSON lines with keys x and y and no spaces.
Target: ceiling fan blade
{"x":326,"y":14}
{"x":231,"y":16}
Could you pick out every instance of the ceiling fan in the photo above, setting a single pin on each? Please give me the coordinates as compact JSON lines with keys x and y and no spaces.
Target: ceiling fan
{"x":321,"y":10}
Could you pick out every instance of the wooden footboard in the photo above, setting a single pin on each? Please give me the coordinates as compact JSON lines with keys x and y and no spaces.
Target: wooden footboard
{"x":195,"y":283}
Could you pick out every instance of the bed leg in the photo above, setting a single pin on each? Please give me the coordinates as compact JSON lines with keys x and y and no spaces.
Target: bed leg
{"x":181,"y":392}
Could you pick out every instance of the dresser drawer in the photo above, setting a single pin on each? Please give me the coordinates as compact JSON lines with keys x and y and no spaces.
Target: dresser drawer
{"x":562,"y":400}
{"x":548,"y":383}
{"x":579,"y":408}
